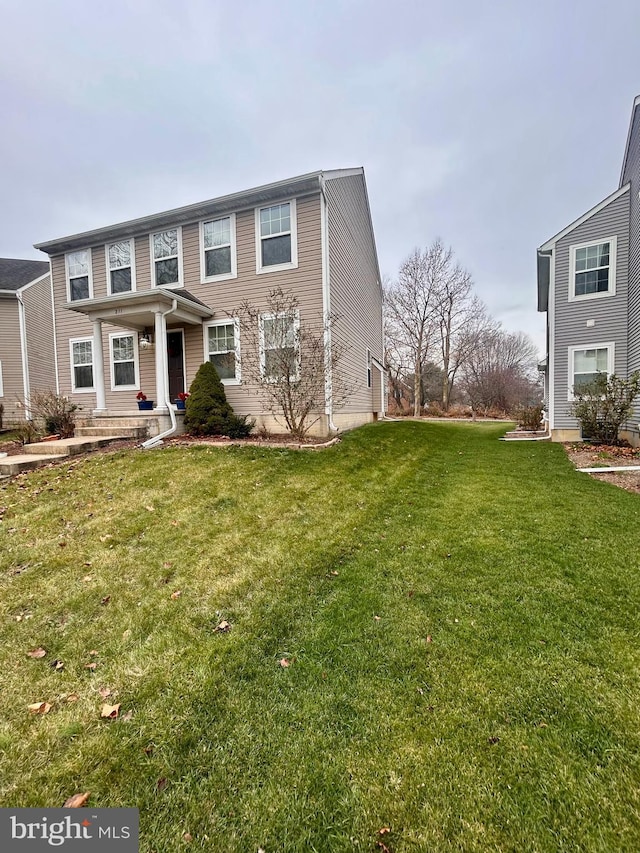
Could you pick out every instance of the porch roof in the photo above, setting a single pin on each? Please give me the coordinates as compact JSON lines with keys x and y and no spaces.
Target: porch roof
{"x":137,"y":310}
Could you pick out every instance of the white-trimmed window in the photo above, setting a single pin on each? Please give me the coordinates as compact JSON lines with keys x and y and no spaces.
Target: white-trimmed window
{"x":79,"y":275}
{"x":280,"y":345}
{"x":585,"y":363}
{"x":166,"y":257}
{"x":593,"y":269}
{"x":276,"y":237}
{"x":121,"y":270}
{"x":1,"y":385}
{"x":222,"y":349}
{"x":123,"y":355}
{"x":218,"y":249}
{"x":81,"y":364}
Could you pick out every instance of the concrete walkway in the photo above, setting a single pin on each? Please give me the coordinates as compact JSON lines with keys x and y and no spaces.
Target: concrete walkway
{"x":44,"y":452}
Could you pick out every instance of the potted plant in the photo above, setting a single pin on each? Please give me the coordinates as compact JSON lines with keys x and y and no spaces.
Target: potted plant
{"x":181,"y":401}
{"x":143,"y":403}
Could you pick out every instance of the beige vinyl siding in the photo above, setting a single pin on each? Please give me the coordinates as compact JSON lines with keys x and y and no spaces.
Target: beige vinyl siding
{"x":609,"y":312}
{"x":225,"y":297}
{"x":143,"y":263}
{"x":38,"y":317}
{"x":11,"y":358}
{"x":355,"y":290}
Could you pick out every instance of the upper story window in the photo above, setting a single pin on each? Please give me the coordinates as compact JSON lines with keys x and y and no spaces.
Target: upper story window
{"x":218,"y":250}
{"x":586,"y":363}
{"x":223,"y":350}
{"x":280,"y":346}
{"x":276,"y":237}
{"x":166,"y":252}
{"x":593,"y":270}
{"x":121,"y":267}
{"x":79,"y":276}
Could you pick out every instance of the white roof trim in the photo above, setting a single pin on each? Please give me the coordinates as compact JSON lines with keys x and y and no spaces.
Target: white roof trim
{"x":636,"y":102}
{"x":550,"y":244}
{"x":35,"y":281}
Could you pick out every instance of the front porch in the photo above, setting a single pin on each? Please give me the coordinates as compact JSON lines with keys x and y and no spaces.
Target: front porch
{"x":159,"y":317}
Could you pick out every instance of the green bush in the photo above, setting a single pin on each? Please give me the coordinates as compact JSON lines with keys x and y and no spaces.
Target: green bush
{"x":604,"y":405}
{"x":207,"y":410}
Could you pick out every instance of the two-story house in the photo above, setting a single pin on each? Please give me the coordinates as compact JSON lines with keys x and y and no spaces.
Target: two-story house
{"x":141,"y":304}
{"x":589,"y":286}
{"x":27,"y":353}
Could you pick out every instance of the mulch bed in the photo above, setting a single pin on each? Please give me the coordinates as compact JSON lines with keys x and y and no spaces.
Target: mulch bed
{"x":608,"y":456}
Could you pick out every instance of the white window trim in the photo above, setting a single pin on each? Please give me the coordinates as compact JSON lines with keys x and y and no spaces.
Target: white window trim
{"x":66,"y":269}
{"x":75,"y":390}
{"x":294,"y":238}
{"x":234,"y":263}
{"x":369,"y":367}
{"x":132,"y":244}
{"x":236,"y":339}
{"x":296,"y":329}
{"x":136,"y":363}
{"x":1,"y":383}
{"x":180,"y":282}
{"x":611,"y":361}
{"x":613,"y":252}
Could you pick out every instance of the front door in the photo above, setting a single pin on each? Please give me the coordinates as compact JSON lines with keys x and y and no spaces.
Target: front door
{"x":175,"y":362}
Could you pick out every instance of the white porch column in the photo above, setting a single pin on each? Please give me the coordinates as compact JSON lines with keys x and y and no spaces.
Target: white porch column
{"x":98,"y":369}
{"x":160,"y":335}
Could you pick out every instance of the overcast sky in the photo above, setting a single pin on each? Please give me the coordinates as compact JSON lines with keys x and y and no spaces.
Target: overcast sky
{"x":490,"y":124}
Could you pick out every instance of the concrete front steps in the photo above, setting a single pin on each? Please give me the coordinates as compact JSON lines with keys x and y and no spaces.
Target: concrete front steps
{"x":117,"y":426}
{"x":44,"y":452}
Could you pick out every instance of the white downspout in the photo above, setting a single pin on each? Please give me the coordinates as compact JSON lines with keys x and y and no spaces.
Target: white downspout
{"x":157,"y":439}
{"x":22,"y":323}
{"x":326,"y":307}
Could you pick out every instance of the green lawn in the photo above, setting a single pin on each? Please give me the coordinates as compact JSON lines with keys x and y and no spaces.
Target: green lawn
{"x":461,"y":619}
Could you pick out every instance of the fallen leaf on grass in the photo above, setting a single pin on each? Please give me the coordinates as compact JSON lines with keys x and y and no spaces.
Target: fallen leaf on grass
{"x":105,"y":537}
{"x":93,"y":652}
{"x":161,"y":784}
{"x":87,"y":578}
{"x":148,"y":750}
{"x":57,"y":665}
{"x":91,"y":665}
{"x":105,"y":692}
{"x":187,"y":837}
{"x":284,"y":662}
{"x":149,"y":509}
{"x":383,"y":847}
{"x":335,"y":574}
{"x":37,"y":653}
{"x":493,"y":740}
{"x":176,"y":594}
{"x":105,"y":600}
{"x":429,"y":640}
{"x":72,"y":697}
{"x":384,"y":830}
{"x":174,"y":523}
{"x":223,"y":627}
{"x":77,"y":801}
{"x":126,"y":718}
{"x":39,"y":707}
{"x":377,"y":618}
{"x":110,"y":712}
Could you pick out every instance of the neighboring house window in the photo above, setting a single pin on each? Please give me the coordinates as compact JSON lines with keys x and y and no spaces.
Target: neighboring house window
{"x":166,"y":250}
{"x":280,"y":345}
{"x":124,"y":362}
{"x":217,"y":241}
{"x":79,"y":278}
{"x":223,"y":350}
{"x":593,"y":269}
{"x":120,"y":266}
{"x":276,"y":244}
{"x":585,"y":363}
{"x":82,"y":364}
{"x":368,"y":368}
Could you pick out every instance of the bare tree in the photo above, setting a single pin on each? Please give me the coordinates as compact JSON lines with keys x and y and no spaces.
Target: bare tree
{"x":292,"y":362}
{"x":411,"y":308}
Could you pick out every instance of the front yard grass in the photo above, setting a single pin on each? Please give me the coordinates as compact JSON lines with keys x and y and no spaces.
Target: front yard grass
{"x":460,"y":618}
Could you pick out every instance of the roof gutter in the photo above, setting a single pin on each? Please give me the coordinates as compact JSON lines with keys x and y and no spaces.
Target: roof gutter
{"x":156,"y":440}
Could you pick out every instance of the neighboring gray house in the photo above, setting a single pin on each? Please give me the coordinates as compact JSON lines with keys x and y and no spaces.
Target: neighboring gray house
{"x":27,"y":354}
{"x":140,"y":305}
{"x":589,"y":286}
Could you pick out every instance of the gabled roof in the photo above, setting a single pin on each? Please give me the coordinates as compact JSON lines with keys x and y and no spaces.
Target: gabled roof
{"x":602,"y":204}
{"x":15,"y":272}
{"x":303,"y":184}
{"x":636,"y":104}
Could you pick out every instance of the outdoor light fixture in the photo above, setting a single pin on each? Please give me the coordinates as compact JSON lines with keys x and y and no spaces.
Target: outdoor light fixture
{"x":145,"y":341}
